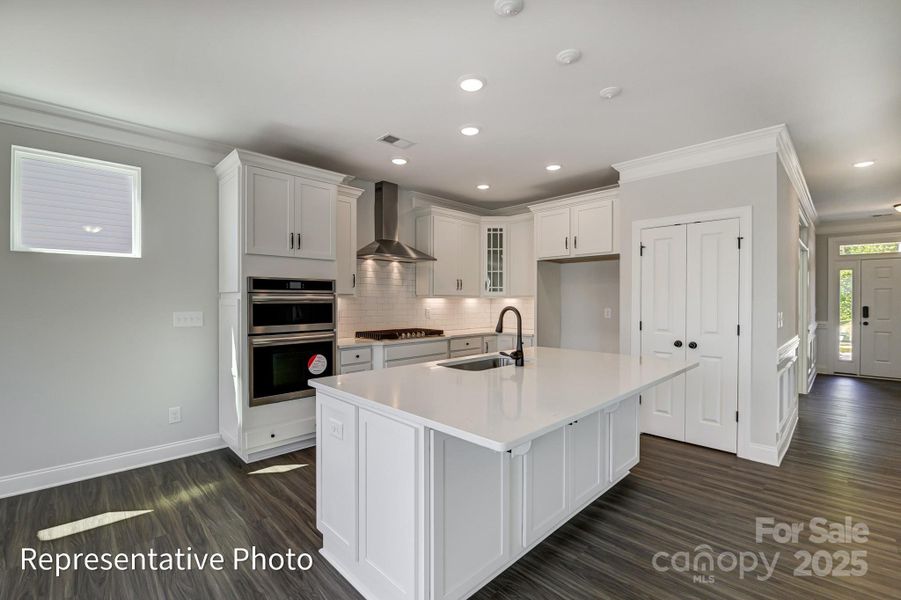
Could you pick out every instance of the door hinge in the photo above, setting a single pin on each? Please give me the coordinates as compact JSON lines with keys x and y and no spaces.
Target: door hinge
{"x":736,"y":416}
{"x":739,"y":242}
{"x":738,"y":329}
{"x":641,"y":248}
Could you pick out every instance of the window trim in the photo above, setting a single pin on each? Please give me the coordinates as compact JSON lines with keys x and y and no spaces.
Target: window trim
{"x":15,"y":234}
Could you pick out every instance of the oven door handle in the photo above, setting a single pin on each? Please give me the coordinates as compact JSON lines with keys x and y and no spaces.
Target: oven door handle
{"x":292,"y":298}
{"x":281,"y":340}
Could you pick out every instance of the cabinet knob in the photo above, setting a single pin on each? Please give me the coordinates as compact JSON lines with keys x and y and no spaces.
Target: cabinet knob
{"x":357,"y":356}
{"x":677,"y":343}
{"x":272,"y":435}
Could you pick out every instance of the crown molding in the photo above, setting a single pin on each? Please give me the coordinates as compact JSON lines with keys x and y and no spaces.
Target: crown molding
{"x":246,"y":157}
{"x":53,"y":118}
{"x":768,"y":140}
{"x":578,"y":198}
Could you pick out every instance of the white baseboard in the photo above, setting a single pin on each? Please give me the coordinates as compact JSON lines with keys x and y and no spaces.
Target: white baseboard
{"x":21,"y":483}
{"x":786,"y":440}
{"x":762,"y":453}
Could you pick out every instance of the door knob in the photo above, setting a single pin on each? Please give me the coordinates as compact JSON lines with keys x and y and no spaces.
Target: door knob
{"x":866,"y":322}
{"x":692,"y":345}
{"x":677,"y":343}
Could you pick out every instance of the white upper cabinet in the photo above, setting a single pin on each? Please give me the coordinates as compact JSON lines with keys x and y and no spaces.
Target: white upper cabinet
{"x":346,"y":239}
{"x":314,"y":219}
{"x":270,"y":212}
{"x":508,"y":256}
{"x":576,"y":227}
{"x":453,"y":239}
{"x":592,"y":228}
{"x":288,"y":209}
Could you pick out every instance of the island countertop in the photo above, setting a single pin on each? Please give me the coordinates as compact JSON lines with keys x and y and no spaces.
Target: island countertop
{"x":503,"y":408}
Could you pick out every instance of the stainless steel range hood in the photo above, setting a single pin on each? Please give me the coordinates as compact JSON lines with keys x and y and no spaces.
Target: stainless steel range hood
{"x":386,"y":245}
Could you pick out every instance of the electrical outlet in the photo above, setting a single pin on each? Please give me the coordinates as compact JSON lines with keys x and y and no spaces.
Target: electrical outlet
{"x":336,"y":428}
{"x":428,"y":313}
{"x":779,"y":320}
{"x":608,"y":313}
{"x":175,"y":415}
{"x":187,"y":319}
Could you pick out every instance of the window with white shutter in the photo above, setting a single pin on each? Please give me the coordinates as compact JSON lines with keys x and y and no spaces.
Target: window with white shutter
{"x":72,"y":205}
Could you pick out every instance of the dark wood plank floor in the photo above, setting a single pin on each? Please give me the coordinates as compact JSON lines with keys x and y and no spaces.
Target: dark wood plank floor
{"x":845,"y":461}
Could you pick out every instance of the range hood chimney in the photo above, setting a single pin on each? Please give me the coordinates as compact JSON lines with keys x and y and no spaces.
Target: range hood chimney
{"x":386,"y":245}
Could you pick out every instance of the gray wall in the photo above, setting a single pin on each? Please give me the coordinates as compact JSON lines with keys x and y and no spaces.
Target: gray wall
{"x":89,"y":360}
{"x":746,"y":182}
{"x":586,"y":289}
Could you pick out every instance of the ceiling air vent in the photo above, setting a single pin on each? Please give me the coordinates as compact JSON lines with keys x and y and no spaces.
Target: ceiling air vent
{"x":395,"y":141}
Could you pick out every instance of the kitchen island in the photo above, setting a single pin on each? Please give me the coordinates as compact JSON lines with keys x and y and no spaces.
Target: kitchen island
{"x":431,"y":480}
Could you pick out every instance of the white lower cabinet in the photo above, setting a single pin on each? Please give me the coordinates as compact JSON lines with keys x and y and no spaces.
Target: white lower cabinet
{"x":409,"y":513}
{"x":470,"y":528}
{"x":624,"y":437}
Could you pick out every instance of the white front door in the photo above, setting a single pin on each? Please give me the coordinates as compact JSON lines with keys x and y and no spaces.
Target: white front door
{"x":711,"y":338}
{"x":880,"y":318}
{"x":663,"y":295}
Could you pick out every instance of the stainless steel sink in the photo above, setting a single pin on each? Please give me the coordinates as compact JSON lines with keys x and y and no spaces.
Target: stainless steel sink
{"x":479,"y":364}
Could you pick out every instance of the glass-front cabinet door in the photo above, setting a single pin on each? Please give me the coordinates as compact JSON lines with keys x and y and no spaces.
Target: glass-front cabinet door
{"x":494,"y":259}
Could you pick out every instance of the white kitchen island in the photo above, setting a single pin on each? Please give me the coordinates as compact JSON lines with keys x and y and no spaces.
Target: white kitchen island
{"x":432,"y":480}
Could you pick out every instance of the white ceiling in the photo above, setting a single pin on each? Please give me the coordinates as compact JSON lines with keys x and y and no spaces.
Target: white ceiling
{"x":319,"y":81}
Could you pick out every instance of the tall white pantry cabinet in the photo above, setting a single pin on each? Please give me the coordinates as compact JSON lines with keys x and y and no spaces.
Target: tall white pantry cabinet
{"x":276,"y":219}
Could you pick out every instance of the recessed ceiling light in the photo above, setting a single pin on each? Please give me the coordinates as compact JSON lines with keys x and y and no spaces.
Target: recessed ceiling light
{"x":92,"y":228}
{"x":864,"y":163}
{"x":470,"y":130}
{"x":611,"y":92}
{"x":898,"y":208}
{"x":471,"y":83}
{"x":508,"y":8}
{"x":483,"y":186}
{"x":399,"y":160}
{"x":553,"y":167}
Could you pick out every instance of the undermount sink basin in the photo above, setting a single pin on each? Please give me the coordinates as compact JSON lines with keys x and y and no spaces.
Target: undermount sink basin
{"x":479,"y":364}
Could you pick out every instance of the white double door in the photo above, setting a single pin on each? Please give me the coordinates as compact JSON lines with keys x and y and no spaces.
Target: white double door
{"x":689,"y":311}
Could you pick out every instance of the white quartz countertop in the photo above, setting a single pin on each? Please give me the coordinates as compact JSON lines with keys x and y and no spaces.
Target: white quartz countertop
{"x":505,"y":407}
{"x":448,"y":334}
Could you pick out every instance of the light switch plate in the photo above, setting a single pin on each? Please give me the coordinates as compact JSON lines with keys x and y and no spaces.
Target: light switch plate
{"x":608,"y":313}
{"x":336,"y":428}
{"x":187,"y":319}
{"x":175,"y":415}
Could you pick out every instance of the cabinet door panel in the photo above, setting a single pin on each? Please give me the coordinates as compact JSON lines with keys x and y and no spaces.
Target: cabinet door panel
{"x":345,"y":246}
{"x":588,"y":458}
{"x":470,"y":515}
{"x":520,"y":273}
{"x":446,"y":246}
{"x":389,"y":510}
{"x":592,"y":228}
{"x":552,"y":233}
{"x":624,"y":438}
{"x":544,"y":485}
{"x":336,"y":457}
{"x":314,"y":217}
{"x":495,"y":262}
{"x":469,"y":264}
{"x":270,"y":212}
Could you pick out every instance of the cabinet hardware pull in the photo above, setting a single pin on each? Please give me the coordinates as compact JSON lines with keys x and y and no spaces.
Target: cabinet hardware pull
{"x":292,"y":241}
{"x":354,"y":280}
{"x":299,"y":238}
{"x":566,"y":242}
{"x":575,"y":241}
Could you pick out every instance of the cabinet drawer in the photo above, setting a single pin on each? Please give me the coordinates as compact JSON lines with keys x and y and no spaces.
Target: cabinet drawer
{"x":345,"y":369}
{"x":467,"y":343}
{"x":415,"y":349}
{"x":462,"y":353}
{"x":355,"y":356}
{"x":281,"y":433}
{"x":415,"y":360}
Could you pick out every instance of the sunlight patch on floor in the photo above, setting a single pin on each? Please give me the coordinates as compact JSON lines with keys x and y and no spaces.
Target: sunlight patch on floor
{"x":54,"y":533}
{"x":276,"y":469}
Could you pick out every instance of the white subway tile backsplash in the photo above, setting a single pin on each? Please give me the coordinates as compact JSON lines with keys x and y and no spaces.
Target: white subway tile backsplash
{"x":386,"y":298}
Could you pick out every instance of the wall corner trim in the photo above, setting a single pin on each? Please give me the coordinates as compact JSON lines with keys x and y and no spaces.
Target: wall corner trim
{"x":30,"y":481}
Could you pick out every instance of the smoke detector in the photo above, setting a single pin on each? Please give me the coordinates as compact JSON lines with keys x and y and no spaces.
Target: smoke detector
{"x":611,"y":92}
{"x":569,"y":56}
{"x":508,"y":8}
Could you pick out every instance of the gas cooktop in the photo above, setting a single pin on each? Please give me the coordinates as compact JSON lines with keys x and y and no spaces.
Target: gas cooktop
{"x":398,"y":334}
